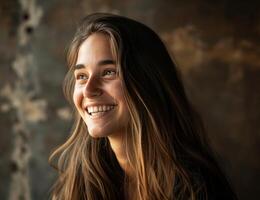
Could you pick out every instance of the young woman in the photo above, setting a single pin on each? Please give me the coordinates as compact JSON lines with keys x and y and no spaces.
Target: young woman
{"x":136,"y":135}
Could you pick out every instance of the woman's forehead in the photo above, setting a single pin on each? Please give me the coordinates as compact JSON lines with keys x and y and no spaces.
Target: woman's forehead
{"x":95,"y":48}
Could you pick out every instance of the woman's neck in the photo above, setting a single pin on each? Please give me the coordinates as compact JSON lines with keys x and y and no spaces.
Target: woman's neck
{"x":119,"y":150}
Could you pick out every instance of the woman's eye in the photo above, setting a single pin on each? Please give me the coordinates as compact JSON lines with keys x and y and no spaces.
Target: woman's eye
{"x":81,"y":77}
{"x":109,"y":73}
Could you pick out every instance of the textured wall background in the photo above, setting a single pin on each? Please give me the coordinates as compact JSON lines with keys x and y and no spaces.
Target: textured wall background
{"x":216,"y":44}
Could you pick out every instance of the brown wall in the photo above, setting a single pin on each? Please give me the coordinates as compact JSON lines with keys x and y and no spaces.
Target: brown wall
{"x":216,"y":46}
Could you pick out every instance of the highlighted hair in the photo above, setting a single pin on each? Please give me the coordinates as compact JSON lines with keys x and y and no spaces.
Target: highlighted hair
{"x":165,"y":143}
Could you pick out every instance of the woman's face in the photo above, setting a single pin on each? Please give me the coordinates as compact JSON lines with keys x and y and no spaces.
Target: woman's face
{"x":98,"y":93}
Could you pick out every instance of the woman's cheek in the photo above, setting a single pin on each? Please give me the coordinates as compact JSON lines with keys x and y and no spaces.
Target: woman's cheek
{"x":77,"y":97}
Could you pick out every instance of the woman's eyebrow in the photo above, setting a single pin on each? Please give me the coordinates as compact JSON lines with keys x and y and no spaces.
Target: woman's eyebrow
{"x":100,"y":63}
{"x":78,"y":66}
{"x":106,"y":62}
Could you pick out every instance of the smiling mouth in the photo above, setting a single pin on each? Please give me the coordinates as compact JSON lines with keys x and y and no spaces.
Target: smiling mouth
{"x":96,"y":111}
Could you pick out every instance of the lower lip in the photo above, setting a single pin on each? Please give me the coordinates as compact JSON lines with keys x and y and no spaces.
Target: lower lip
{"x":100,"y":114}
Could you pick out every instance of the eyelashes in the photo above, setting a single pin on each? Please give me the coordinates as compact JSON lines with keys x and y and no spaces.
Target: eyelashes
{"x":109,"y":72}
{"x":81,"y":77}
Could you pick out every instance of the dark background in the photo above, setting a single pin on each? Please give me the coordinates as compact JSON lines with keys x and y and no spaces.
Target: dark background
{"x":216,"y":46}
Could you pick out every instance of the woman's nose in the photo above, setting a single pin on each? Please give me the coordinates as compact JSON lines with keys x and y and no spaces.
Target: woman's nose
{"x":92,"y":87}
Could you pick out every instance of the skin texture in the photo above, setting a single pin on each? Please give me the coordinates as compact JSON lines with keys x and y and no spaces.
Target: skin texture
{"x":97,"y":83}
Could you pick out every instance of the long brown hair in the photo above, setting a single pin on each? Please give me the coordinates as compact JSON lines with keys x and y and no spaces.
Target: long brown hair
{"x":165,"y":144}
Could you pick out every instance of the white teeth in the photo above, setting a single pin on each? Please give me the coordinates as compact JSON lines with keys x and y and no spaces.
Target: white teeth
{"x":95,"y":109}
{"x":90,"y":109}
{"x":97,"y":114}
{"x":98,"y":109}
